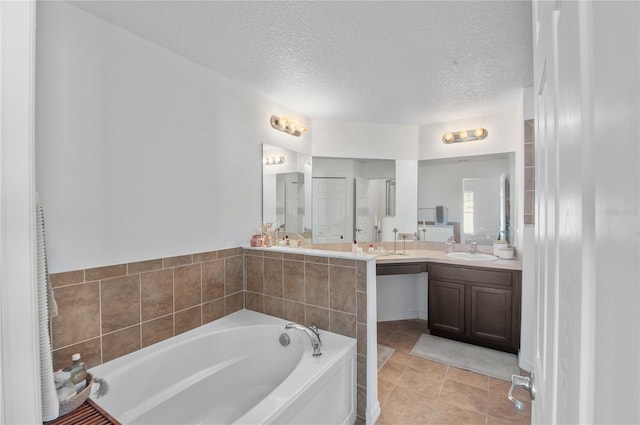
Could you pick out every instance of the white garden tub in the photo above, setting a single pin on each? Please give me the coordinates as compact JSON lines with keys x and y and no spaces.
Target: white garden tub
{"x":234,"y":371}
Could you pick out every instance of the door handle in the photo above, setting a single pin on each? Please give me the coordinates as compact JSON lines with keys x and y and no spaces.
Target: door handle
{"x":523,"y":382}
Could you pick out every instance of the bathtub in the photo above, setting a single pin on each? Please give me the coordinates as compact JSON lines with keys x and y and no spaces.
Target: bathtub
{"x":234,"y":371}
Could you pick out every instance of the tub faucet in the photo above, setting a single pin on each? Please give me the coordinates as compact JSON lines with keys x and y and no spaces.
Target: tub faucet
{"x":312,"y":332}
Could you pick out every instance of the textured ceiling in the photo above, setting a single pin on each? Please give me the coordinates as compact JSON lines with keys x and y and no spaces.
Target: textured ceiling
{"x":387,"y":61}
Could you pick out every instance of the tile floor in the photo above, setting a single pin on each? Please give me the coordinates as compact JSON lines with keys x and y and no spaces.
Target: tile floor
{"x":413,"y":391}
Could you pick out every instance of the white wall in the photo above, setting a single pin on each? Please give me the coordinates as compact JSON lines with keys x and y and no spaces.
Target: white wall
{"x":402,"y":297}
{"x":140,"y":153}
{"x":364,"y":140}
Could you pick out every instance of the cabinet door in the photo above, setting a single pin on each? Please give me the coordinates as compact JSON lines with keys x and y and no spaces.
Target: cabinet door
{"x":491,"y":314}
{"x":446,"y":307}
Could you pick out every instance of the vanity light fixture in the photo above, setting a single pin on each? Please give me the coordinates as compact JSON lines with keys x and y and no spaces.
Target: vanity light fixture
{"x":274,"y":160}
{"x":464,"y":135}
{"x":288,"y":126}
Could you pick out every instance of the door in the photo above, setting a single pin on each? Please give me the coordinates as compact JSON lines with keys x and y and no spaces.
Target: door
{"x":363,"y":231}
{"x":329,"y":203}
{"x":446,"y":307}
{"x":491,"y":314}
{"x":587,"y":83}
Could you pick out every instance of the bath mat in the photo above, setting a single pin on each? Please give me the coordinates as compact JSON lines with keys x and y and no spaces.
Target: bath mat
{"x":485,"y":361}
{"x":384,"y":353}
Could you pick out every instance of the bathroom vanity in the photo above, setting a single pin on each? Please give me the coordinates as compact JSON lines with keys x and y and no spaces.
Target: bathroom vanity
{"x":474,"y":302}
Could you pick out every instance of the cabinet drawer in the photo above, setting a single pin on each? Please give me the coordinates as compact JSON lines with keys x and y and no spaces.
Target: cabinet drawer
{"x":400,"y":268}
{"x":450,"y":272}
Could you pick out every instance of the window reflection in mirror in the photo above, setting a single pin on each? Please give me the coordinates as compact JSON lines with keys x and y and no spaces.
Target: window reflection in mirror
{"x":286,"y":191}
{"x":466,"y":197}
{"x":351,"y":197}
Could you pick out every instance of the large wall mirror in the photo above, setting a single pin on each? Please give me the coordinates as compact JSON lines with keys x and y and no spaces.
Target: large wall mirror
{"x":286,"y":191}
{"x":353,"y":199}
{"x":467,"y":198}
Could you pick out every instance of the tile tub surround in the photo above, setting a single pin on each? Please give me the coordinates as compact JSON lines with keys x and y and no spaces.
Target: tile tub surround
{"x":107,"y":312}
{"x":326,"y":291}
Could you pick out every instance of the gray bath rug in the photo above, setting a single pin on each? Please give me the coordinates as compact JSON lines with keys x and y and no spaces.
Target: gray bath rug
{"x":477,"y":359}
{"x":384,"y":353}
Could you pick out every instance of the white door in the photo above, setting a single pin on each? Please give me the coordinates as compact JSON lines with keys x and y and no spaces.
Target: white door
{"x":329,"y":201}
{"x":587,"y":79}
{"x":363,"y":225}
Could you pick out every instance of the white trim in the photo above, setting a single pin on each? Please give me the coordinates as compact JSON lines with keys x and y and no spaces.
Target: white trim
{"x":19,"y":353}
{"x":373,"y":405}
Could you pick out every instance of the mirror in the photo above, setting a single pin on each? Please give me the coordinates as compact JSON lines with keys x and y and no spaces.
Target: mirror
{"x":467,"y":198}
{"x":351,"y":197}
{"x":286,"y":191}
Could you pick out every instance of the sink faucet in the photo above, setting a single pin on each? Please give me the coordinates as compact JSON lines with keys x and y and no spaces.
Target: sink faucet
{"x":474,"y":247}
{"x":312,"y":332}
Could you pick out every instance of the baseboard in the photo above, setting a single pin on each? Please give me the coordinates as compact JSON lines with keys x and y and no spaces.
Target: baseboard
{"x":403,"y":315}
{"x":373,"y":414}
{"x":524,"y":365}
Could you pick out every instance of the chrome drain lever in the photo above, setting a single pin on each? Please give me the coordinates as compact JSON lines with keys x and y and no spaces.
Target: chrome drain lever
{"x":524,"y":382}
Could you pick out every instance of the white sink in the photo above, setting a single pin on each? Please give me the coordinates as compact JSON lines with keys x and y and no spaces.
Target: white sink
{"x":472,"y":257}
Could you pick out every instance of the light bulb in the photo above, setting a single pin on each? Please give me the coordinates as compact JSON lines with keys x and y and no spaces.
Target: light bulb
{"x":463,"y":134}
{"x":448,"y":137}
{"x":302,"y":128}
{"x":478,"y":132}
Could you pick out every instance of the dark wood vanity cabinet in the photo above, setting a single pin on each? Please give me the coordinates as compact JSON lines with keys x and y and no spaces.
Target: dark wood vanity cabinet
{"x":475,"y":305}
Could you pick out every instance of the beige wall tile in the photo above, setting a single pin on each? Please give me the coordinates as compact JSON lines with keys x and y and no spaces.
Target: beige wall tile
{"x":272,"y":254}
{"x":361,"y":300}
{"x":361,"y":336}
{"x":316,"y":284}
{"x":255,"y":302}
{"x":294,"y":280}
{"x":213,"y":310}
{"x":66,"y":278}
{"x":273,"y":277}
{"x":186,"y":320}
{"x":255,"y":273}
{"x":342,"y":262}
{"x":293,"y":311}
{"x":316,"y":259}
{"x":342,"y":289}
{"x":105,"y":272}
{"x":295,"y":257}
{"x":317,"y":316}
{"x":120,"y":302}
{"x":144,"y":266}
{"x":361,"y":276}
{"x":273,"y":306}
{"x":343,"y":323}
{"x":156,"y":293}
{"x":205,"y":256}
{"x":78,"y":314}
{"x":187,"y":286}
{"x":180,"y":260}
{"x":119,"y":343}
{"x":233,"y":275}
{"x":157,"y":330}
{"x":230,"y":252}
{"x":212,"y":280}
{"x":233,"y":303}
{"x":361,"y":375}
{"x":89,"y":350}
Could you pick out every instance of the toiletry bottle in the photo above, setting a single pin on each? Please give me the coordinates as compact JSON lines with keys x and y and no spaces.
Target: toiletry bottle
{"x":371,"y":250}
{"x":78,"y":371}
{"x":287,"y":242}
{"x":64,"y":387}
{"x":450,"y":245}
{"x":354,"y":247}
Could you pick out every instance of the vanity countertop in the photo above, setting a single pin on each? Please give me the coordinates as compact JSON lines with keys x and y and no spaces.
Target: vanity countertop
{"x":420,"y":255}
